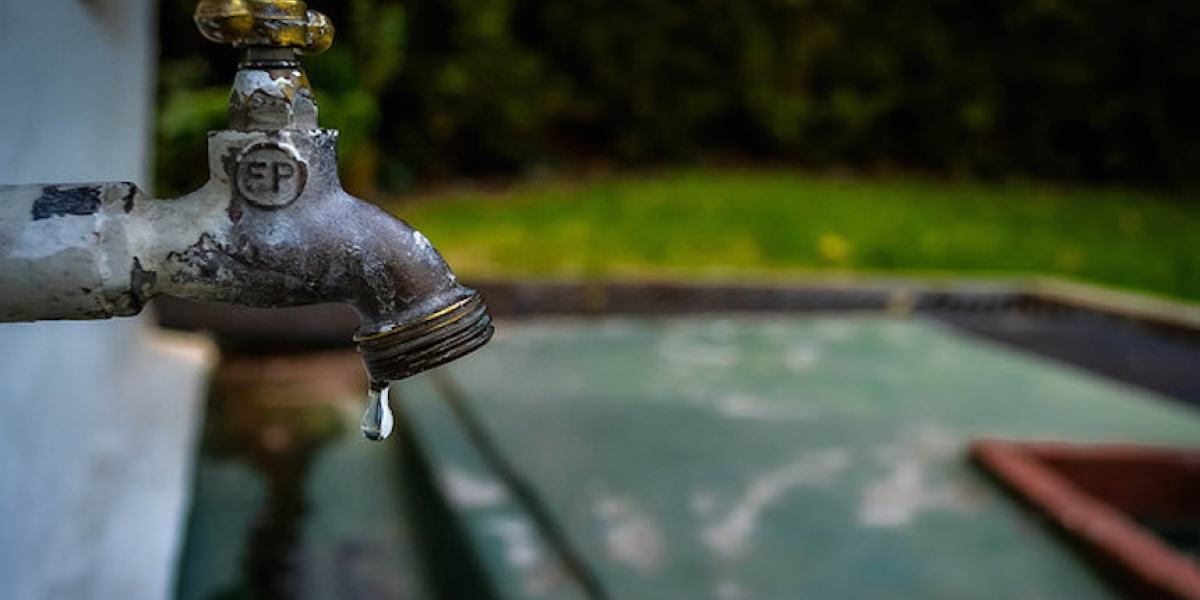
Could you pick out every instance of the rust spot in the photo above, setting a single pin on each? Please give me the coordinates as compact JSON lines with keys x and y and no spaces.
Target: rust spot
{"x":200,"y":256}
{"x":141,"y":283}
{"x":235,"y":210}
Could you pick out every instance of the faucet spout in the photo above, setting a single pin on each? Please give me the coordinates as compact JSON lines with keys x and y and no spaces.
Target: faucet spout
{"x":272,"y":228}
{"x":287,"y":234}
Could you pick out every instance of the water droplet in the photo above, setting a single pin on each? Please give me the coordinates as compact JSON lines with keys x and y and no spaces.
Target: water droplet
{"x":377,"y":422}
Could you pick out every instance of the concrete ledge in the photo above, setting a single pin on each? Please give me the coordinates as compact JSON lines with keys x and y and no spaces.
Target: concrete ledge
{"x":329,"y":325}
{"x":1140,"y":307}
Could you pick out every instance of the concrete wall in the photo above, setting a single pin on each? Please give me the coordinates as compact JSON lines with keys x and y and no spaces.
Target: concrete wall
{"x":97,"y":419}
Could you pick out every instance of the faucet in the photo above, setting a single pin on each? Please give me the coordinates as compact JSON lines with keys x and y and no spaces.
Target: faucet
{"x":272,"y":227}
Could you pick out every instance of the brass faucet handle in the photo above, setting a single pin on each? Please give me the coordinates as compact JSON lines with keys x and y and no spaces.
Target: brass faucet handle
{"x":264,"y":24}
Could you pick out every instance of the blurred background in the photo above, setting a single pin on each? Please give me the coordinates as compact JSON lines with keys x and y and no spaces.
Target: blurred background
{"x":757,"y":138}
{"x":626,"y":182}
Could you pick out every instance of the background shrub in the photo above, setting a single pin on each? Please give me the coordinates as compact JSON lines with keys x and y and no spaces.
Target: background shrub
{"x":1095,"y":90}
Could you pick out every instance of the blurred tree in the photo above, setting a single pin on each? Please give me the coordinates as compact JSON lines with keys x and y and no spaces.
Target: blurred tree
{"x":1100,"y":90}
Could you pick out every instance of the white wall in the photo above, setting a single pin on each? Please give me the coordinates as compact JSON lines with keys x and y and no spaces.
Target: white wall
{"x":97,"y":419}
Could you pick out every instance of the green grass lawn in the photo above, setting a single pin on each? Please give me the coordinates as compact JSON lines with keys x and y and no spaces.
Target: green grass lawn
{"x":779,"y":224}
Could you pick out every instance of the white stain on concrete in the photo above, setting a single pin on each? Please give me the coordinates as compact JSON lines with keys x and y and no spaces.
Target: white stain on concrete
{"x":834,"y":330}
{"x":905,"y":489}
{"x":801,"y":358}
{"x":468,"y":491}
{"x":704,"y":356}
{"x":541,"y":574}
{"x":521,"y":548}
{"x":730,"y":536}
{"x":631,"y":537}
{"x":746,"y":406}
{"x":689,"y":351}
{"x":896,"y":499}
{"x":726,"y":589}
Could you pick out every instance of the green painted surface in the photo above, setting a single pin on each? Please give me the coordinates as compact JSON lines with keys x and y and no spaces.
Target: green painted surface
{"x":741,"y":459}
{"x":516,"y":560}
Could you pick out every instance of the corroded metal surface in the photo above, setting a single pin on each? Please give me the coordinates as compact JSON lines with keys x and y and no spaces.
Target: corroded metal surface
{"x":265,"y":23}
{"x":420,"y":345}
{"x":271,"y":228}
{"x":276,"y":95}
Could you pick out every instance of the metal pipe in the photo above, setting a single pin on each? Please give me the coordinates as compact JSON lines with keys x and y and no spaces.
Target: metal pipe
{"x":65,"y":252}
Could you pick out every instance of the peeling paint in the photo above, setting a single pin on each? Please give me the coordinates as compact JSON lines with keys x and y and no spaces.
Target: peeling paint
{"x":631,"y":537}
{"x":250,"y":81}
{"x":200,"y":257}
{"x":127,"y":201}
{"x":63,"y":201}
{"x":267,"y":99}
{"x":141,"y":283}
{"x":45,"y":238}
{"x":729,"y":537}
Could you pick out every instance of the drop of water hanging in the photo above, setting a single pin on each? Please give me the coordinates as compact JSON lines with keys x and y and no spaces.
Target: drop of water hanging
{"x":377,"y":422}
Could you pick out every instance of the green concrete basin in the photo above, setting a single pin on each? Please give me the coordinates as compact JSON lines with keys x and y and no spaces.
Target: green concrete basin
{"x":733,"y":458}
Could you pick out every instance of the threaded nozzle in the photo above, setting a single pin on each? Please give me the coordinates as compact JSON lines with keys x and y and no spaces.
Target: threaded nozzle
{"x":441,"y":337}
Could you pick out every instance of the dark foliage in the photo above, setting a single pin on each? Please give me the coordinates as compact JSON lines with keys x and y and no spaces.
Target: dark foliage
{"x":1094,"y":90}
